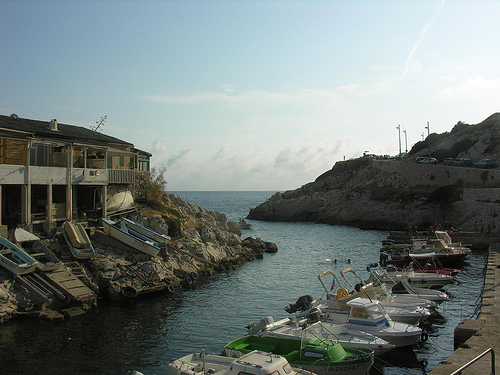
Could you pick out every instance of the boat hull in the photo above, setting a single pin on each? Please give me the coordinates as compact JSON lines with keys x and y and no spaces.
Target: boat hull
{"x":16,"y":260}
{"x":78,"y":241}
{"x":112,"y":230}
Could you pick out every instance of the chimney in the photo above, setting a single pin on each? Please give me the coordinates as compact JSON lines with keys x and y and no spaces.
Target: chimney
{"x":53,"y":125}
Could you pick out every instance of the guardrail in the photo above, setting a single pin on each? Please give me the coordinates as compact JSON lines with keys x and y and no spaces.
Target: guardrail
{"x":490,"y":350}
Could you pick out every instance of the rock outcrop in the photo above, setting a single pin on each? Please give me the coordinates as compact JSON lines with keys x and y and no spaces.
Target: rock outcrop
{"x":393,"y":194}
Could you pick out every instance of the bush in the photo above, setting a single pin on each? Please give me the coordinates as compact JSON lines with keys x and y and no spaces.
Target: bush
{"x":154,"y":188}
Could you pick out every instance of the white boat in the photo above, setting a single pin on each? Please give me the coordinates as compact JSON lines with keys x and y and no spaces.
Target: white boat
{"x":404,"y":312}
{"x":136,"y":228}
{"x":135,"y":240}
{"x":78,"y":240}
{"x":404,"y":289}
{"x":253,"y":363}
{"x":300,"y":328}
{"x":120,"y":201}
{"x":417,"y":280}
{"x":370,"y":316}
{"x":14,"y":259}
{"x":243,"y":224}
{"x":31,"y":244}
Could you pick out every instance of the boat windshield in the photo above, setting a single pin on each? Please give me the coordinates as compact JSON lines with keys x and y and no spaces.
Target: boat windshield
{"x":376,"y":312}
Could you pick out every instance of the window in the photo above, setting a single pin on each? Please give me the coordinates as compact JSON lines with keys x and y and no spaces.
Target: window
{"x":122,"y":161}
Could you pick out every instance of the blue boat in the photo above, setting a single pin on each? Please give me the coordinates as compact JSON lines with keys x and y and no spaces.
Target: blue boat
{"x":14,"y":259}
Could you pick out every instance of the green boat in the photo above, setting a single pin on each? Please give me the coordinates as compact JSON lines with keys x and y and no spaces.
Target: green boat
{"x":321,"y":356}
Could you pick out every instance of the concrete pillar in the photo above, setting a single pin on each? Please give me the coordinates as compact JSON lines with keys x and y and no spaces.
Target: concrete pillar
{"x":104,"y":194}
{"x":26,"y":204}
{"x":48,"y":211}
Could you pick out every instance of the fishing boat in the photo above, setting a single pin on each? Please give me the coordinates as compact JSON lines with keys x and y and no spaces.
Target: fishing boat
{"x":301,"y":328}
{"x":317,"y":355}
{"x":138,"y":229}
{"x":31,"y":244}
{"x":131,"y":238}
{"x":78,"y":240}
{"x":254,"y":363}
{"x":413,"y":312}
{"x":243,"y":224}
{"x":14,"y":259}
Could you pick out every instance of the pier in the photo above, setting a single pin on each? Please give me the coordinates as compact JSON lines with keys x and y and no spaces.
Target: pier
{"x":475,"y":337}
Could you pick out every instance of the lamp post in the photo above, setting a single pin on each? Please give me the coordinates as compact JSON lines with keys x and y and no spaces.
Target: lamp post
{"x":406,"y":142}
{"x":429,"y":138}
{"x":399,"y":134}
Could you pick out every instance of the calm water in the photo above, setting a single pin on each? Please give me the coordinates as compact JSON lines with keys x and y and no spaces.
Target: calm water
{"x":147,"y":334}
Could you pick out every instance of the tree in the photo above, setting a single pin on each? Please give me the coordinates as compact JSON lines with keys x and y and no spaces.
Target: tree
{"x":155,"y":187}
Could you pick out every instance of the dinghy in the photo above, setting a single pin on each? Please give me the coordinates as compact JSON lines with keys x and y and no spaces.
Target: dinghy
{"x":31,"y":244}
{"x":78,"y":240}
{"x":131,"y":238}
{"x":14,"y":259}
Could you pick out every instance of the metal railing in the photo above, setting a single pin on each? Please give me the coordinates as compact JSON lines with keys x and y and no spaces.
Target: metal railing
{"x":490,"y":350}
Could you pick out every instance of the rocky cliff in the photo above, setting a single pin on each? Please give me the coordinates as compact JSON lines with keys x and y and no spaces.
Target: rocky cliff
{"x":393,"y":194}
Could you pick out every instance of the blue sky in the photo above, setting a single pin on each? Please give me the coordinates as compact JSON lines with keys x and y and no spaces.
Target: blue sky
{"x":252,"y":95}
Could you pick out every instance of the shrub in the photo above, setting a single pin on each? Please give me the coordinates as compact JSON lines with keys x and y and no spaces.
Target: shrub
{"x":154,"y":188}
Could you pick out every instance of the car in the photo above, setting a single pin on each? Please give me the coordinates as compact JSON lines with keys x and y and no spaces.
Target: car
{"x":448,"y":161}
{"x":485,"y":163}
{"x":426,"y":160}
{"x":463,"y":162}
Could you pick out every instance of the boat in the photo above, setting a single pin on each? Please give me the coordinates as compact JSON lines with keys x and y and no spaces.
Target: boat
{"x":243,"y":224}
{"x":441,"y":247}
{"x":370,"y":316}
{"x":412,"y":312}
{"x":133,"y":239}
{"x":300,"y":328}
{"x":403,"y":288}
{"x":78,"y":240}
{"x":31,"y":244}
{"x":136,"y":228}
{"x":317,"y":355}
{"x":121,"y":201}
{"x":254,"y":363}
{"x":15,"y":259}
{"x":417,"y":280}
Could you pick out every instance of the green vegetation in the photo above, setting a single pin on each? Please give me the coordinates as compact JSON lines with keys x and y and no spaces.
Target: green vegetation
{"x":154,"y":188}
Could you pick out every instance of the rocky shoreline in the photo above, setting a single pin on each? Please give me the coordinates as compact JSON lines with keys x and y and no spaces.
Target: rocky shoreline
{"x":202,"y":243}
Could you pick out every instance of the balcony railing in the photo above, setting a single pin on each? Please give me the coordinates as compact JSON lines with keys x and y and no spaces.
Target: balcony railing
{"x":120,"y":176}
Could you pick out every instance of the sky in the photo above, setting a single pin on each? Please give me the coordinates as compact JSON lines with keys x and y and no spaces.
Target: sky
{"x":252,"y":95}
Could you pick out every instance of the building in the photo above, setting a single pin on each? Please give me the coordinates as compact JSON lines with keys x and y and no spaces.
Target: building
{"x":51,"y":172}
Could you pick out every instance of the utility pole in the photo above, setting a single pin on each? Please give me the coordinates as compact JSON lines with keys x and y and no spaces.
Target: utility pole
{"x":399,"y":134}
{"x":429,"y":138}
{"x":406,"y":142}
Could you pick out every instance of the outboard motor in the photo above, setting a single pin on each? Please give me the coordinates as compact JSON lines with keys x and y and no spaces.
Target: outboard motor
{"x":384,"y":259}
{"x":371,"y":265}
{"x":302,"y":304}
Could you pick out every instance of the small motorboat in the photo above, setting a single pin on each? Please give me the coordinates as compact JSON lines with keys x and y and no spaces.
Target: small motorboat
{"x":301,"y":328}
{"x":31,"y":244}
{"x":135,"y":240}
{"x":412,"y":312}
{"x":317,"y":355}
{"x":15,"y":259}
{"x":78,"y":240}
{"x":243,"y":224}
{"x":254,"y":363}
{"x":138,"y":229}
{"x":391,"y":276}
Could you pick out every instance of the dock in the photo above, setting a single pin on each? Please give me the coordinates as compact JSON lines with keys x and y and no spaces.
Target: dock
{"x":69,"y":284}
{"x":474,"y":338}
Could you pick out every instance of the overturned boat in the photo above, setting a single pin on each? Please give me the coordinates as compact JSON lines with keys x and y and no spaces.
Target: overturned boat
{"x":78,"y":240}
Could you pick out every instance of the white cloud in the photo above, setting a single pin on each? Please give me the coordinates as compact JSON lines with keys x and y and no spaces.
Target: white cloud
{"x":159,"y":147}
{"x":473,"y":89}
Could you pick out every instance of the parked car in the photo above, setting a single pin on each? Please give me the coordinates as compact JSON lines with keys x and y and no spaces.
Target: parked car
{"x":448,"y":161}
{"x":485,"y":163}
{"x":463,"y":162}
{"x":426,"y":160}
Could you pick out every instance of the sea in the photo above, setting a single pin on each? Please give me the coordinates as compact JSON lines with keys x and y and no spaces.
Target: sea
{"x":146,"y":334}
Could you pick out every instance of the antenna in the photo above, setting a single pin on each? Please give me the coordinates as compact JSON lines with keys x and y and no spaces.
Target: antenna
{"x":99,"y":124}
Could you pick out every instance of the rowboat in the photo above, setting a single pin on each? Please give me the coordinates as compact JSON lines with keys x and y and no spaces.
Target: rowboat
{"x":31,"y":244}
{"x":78,"y":240}
{"x":120,"y":201}
{"x":131,"y":238}
{"x":136,"y":228}
{"x":254,"y":363}
{"x":318,"y":355}
{"x":14,"y":259}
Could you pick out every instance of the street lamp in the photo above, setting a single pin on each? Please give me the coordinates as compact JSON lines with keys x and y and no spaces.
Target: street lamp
{"x":429,"y":138}
{"x":406,"y":142}
{"x":399,"y":134}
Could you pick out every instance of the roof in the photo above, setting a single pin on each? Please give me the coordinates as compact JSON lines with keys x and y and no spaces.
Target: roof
{"x":71,"y":133}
